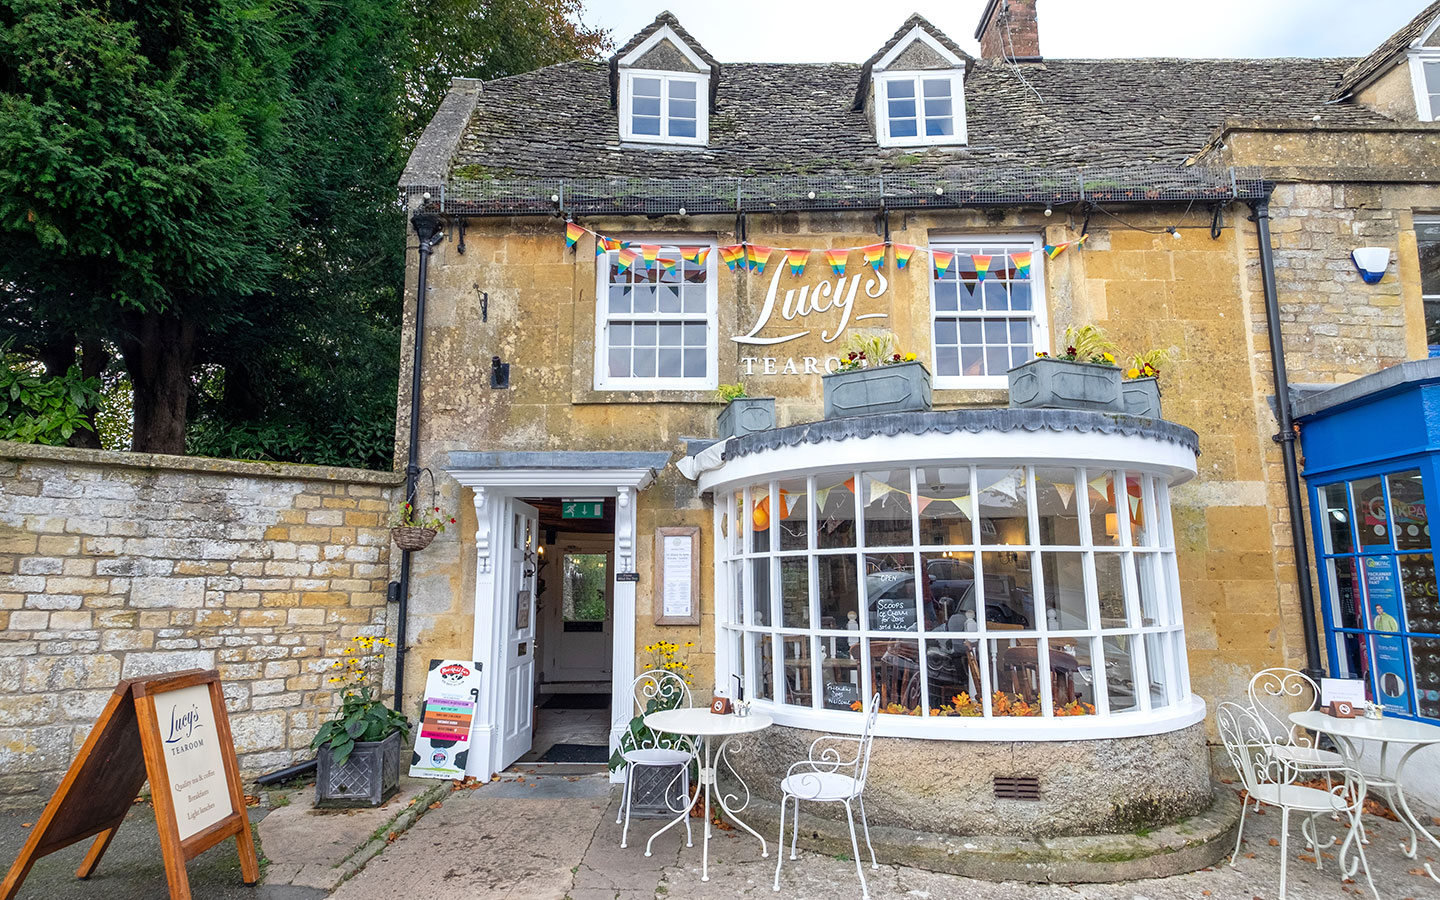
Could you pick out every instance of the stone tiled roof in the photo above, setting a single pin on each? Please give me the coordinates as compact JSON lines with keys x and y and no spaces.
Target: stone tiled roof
{"x":1361,"y":71}
{"x":799,"y":119}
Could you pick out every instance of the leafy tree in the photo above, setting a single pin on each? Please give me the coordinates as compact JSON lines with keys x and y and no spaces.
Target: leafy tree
{"x":38,"y":410}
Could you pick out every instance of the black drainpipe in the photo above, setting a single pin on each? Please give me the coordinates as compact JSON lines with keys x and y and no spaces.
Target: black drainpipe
{"x":427,"y":227}
{"x":1286,"y":440}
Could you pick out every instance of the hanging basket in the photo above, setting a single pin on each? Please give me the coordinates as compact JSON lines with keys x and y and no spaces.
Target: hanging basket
{"x":408,"y":537}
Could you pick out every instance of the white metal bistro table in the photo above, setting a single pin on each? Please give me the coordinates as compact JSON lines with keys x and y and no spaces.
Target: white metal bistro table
{"x":707,"y":726}
{"x":1402,"y":733}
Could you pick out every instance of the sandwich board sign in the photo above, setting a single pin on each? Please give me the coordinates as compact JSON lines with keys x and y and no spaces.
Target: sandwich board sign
{"x":173,"y":730}
{"x":452,"y":697}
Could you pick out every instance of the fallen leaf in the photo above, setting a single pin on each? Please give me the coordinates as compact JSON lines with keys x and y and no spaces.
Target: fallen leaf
{"x":1415,"y":871}
{"x":435,"y":805}
{"x":252,"y":800}
{"x":494,"y":777}
{"x":390,"y":838}
{"x":26,"y":824}
{"x":1249,"y":856}
{"x":1305,"y":857}
{"x":1274,"y":843}
{"x":1204,"y":893}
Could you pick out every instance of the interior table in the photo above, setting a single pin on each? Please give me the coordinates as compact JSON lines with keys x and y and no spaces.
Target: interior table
{"x":707,"y":726}
{"x":1407,"y":736}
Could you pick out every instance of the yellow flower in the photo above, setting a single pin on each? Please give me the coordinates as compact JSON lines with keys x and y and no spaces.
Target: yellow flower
{"x":1109,"y":357}
{"x":910,"y":357}
{"x":1133,"y":373}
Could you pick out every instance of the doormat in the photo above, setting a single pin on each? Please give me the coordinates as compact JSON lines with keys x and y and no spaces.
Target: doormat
{"x":577,"y":701}
{"x":576,"y":753}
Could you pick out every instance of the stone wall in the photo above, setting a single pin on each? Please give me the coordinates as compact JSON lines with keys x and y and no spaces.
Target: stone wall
{"x":117,"y":565}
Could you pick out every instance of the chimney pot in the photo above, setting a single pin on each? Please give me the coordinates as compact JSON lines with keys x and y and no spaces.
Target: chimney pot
{"x":1009,"y":30}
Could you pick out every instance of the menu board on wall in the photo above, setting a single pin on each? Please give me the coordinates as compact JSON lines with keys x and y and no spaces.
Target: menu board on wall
{"x":677,"y":575}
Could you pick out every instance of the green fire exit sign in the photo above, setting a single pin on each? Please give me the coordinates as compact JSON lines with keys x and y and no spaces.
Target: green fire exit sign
{"x":582,"y":509}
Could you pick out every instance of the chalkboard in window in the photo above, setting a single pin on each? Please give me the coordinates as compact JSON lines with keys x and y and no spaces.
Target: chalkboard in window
{"x":894,"y":614}
{"x":841,"y":694}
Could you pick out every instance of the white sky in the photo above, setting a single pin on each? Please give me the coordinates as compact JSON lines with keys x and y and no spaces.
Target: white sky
{"x":848,"y":31}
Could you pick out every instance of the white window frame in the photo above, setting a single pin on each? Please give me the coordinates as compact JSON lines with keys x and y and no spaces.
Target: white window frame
{"x":1424,"y":297}
{"x":883,"y":80}
{"x":702,"y":107}
{"x":1039,"y":306}
{"x":1424,"y":109}
{"x":606,"y":382}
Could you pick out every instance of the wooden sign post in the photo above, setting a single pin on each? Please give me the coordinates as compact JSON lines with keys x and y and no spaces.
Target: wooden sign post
{"x":173,"y":730}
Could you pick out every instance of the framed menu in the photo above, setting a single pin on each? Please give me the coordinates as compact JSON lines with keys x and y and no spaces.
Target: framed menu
{"x":677,"y":575}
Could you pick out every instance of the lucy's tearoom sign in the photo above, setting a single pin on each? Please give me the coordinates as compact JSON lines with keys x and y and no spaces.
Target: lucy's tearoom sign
{"x":828,"y":306}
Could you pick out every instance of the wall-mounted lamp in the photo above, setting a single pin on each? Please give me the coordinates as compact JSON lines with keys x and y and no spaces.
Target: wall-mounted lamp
{"x":1112,"y":525}
{"x":1371,"y":262}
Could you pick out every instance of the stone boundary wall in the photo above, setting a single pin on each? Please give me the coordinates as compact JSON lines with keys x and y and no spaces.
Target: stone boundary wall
{"x":116,"y":565}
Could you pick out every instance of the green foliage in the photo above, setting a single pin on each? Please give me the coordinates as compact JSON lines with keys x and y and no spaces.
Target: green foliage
{"x":1088,"y":343}
{"x":729,"y":392}
{"x":366,"y":443}
{"x":36,"y":410}
{"x":362,"y":718}
{"x":583,"y":590}
{"x":638,"y":734}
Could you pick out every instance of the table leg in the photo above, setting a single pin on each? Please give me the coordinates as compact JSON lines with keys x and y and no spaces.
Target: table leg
{"x":684,"y":814}
{"x":723,"y":797}
{"x":1408,"y":817}
{"x":707,"y":778}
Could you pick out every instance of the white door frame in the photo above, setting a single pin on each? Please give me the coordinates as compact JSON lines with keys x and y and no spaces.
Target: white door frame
{"x":493,"y":490}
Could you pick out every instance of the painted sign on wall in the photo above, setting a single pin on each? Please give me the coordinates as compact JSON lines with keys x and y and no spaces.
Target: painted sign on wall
{"x":452,"y":696}
{"x":829,"y":305}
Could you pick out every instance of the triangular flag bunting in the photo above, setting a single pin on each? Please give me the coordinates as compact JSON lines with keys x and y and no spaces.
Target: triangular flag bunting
{"x":696,"y":255}
{"x":599,"y":245}
{"x":1101,"y":486}
{"x":758,"y":257}
{"x":966,"y":505}
{"x":1054,"y":250}
{"x":1066,"y":491}
{"x":878,"y":490}
{"x":650,"y":252}
{"x":942,"y":260}
{"x":836,"y":259}
{"x":821,"y":495}
{"x":1022,"y":264}
{"x":625,"y":259}
{"x":788,"y":501}
{"x":797,"y":260}
{"x":732,"y":254}
{"x":573,"y":233}
{"x":849,"y":484}
{"x":760,"y":515}
{"x":982,"y":266}
{"x":903,"y":252}
{"x":612,"y":244}
{"x":922,"y":502}
{"x":875,"y":256}
{"x":668,"y":263}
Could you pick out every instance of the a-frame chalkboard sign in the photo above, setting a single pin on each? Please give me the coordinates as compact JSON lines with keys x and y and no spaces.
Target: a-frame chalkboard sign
{"x":171,"y":729}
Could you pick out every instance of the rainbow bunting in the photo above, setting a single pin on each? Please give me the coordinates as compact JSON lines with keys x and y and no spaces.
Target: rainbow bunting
{"x":942,"y":260}
{"x":836,"y":259}
{"x":758,"y":257}
{"x":875,"y":256}
{"x":1022,"y":264}
{"x":611,"y":243}
{"x":1054,"y":250}
{"x":573,"y":233}
{"x":696,"y":255}
{"x":625,"y":259}
{"x":599,"y":245}
{"x":982,"y":266}
{"x":649,"y":252}
{"x":668,"y":264}
{"x":732,"y":254}
{"x":797,"y":260}
{"x":903,"y":252}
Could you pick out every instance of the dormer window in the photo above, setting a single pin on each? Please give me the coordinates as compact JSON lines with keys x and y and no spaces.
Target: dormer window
{"x":1425,"y":74}
{"x":663,"y":107}
{"x":920,"y":108}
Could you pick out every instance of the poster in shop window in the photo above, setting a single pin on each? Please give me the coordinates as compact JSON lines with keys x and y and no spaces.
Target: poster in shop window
{"x":452,"y":696}
{"x":1384,"y":614}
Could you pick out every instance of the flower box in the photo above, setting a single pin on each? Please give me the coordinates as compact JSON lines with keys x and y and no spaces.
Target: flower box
{"x":368,"y":778}
{"x":1141,"y":397}
{"x":745,"y":415}
{"x":901,"y":387}
{"x":1063,"y":384}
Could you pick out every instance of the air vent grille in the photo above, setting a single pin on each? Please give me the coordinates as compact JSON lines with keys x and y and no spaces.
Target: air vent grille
{"x":1017,"y":787}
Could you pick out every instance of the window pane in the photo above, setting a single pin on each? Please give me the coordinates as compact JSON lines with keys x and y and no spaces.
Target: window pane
{"x":837,"y":586}
{"x":939,"y":127}
{"x":583,"y":588}
{"x":937,"y":88}
{"x":795,"y":592}
{"x":1064,"y":578}
{"x":760,"y":516}
{"x":1076,"y":654}
{"x":1417,"y":580}
{"x":1345,"y":590}
{"x":761,"y":649}
{"x":887,"y":508}
{"x":681,"y":109}
{"x":646,"y":87}
{"x":1055,"y":502}
{"x":1110,"y":590}
{"x":1008,"y":593}
{"x":1120,"y":672}
{"x":667,"y":298}
{"x":1015,"y":677}
{"x":895,"y":670}
{"x":694,"y":363}
{"x":1149,"y":579}
{"x":683,"y":90}
{"x":946,"y":296}
{"x":902,"y":128}
{"x":1432,"y":77}
{"x":1162,"y":691}
{"x":620,"y":364}
{"x":644,"y":299}
{"x":1373,"y":524}
{"x":682,"y":128}
{"x":1407,"y":511}
{"x":904,"y":88}
{"x":1020,"y":296}
{"x":1427,"y":235}
{"x":669,"y":363}
{"x":794,"y":519}
{"x":619,"y":299}
{"x":645,"y":107}
{"x":760,"y":591}
{"x":835,"y":510}
{"x":890,"y":592}
{"x":694,"y":334}
{"x":644,"y":363}
{"x":798,"y":677}
{"x":1142,"y":531}
{"x":1425,"y":652}
{"x":670,"y":334}
{"x":1391,"y":672}
{"x":645,"y":125}
{"x":948,"y":578}
{"x":953,"y":666}
{"x":943,"y":497}
{"x":947,"y":361}
{"x":1104,"y":522}
{"x":1003,"y":515}
{"x":620,"y":334}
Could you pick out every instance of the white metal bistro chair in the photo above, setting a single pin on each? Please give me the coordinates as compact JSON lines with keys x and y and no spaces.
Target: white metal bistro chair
{"x":653,"y":691}
{"x":1274,"y":694}
{"x":834,"y":773}
{"x":1269,"y":780}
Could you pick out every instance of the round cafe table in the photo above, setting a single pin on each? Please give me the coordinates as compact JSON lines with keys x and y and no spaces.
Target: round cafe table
{"x":1407,"y":737}
{"x":707,"y":726}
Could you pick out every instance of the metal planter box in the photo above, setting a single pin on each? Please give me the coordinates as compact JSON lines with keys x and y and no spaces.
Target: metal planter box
{"x":1062,"y":384}
{"x":648,"y":798}
{"x":369,"y":777}
{"x":745,"y":415}
{"x":903,"y":387}
{"x":1141,"y":397}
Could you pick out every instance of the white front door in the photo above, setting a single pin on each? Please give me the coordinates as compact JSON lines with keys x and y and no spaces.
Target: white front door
{"x":518,"y":617}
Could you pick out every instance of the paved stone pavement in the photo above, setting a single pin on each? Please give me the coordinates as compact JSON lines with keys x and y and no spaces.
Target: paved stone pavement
{"x":550,"y":838}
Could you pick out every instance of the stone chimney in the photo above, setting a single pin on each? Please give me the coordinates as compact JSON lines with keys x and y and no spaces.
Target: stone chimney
{"x":1008,"y":30}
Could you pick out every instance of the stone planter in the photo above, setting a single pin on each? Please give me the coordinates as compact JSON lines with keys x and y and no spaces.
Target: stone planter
{"x":902,"y":387}
{"x":368,"y":778}
{"x":1061,"y":384}
{"x":651,"y":786}
{"x":745,"y":415}
{"x":1141,"y":397}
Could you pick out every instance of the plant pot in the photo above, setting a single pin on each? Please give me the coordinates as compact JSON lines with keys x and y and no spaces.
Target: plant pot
{"x":368,"y":778}
{"x":408,"y":537}
{"x":1141,"y":397}
{"x":656,"y":792}
{"x":902,"y":387}
{"x":745,"y":415}
{"x":1061,"y":384}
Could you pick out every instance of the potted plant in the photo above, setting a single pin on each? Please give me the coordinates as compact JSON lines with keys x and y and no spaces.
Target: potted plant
{"x":1140,"y":392}
{"x":874,"y":377}
{"x":358,"y":751}
{"x":413,"y":529}
{"x":743,"y":414}
{"x":1085,"y":376}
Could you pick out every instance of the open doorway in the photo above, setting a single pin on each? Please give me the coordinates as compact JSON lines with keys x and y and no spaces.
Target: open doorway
{"x":575,"y":619}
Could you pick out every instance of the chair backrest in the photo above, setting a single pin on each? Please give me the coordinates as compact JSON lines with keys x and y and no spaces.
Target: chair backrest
{"x":867,"y":738}
{"x":1277,"y":692}
{"x":1247,"y":742}
{"x":659,"y":689}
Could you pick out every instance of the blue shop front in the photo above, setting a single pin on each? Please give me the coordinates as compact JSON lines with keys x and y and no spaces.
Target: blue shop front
{"x":1372,"y":465}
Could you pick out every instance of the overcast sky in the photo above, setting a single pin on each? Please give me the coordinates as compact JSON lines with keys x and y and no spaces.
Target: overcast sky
{"x":847,"y":31}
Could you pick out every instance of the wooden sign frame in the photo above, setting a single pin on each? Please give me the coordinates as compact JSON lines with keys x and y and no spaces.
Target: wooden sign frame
{"x":123,"y":750}
{"x":692,"y":532}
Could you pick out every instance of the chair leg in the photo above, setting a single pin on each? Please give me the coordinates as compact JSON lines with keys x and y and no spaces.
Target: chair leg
{"x":855,"y":848}
{"x":1240,"y":831}
{"x":1284,"y":846}
{"x":865,"y":823}
{"x":629,"y":787}
{"x":779,"y":844}
{"x":624,"y":796}
{"x":794,"y":832}
{"x":1364,"y":864}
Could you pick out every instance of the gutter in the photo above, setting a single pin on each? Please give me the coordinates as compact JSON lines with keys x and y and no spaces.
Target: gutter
{"x":427,"y":227}
{"x":1286,"y":439}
